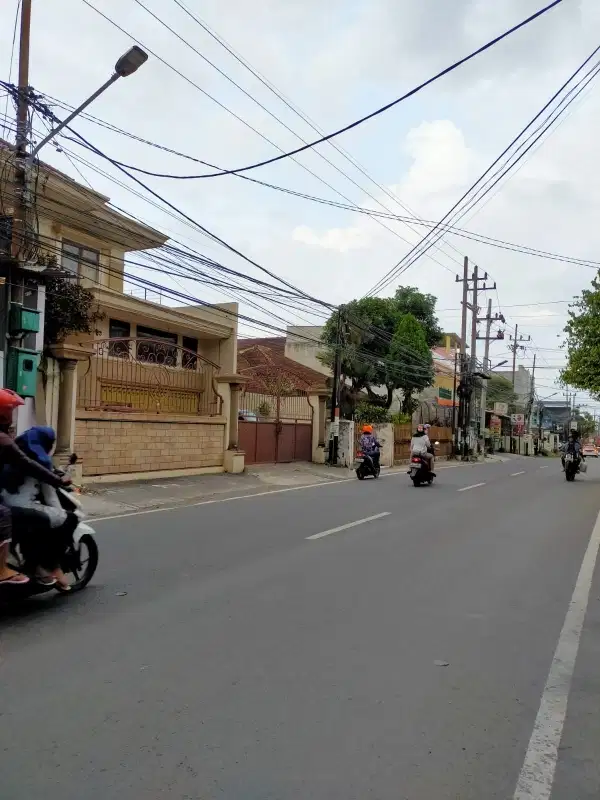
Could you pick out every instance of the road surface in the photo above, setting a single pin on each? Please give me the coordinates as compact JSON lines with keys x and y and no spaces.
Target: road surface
{"x":340,"y":642}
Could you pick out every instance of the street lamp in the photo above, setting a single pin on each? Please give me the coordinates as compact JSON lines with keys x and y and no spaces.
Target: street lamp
{"x":129,"y":63}
{"x":500,"y":364}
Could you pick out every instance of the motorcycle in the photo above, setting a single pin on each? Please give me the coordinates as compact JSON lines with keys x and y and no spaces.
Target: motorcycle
{"x":419,"y":469}
{"x":365,"y":466}
{"x":79,"y":563}
{"x":573,"y":465}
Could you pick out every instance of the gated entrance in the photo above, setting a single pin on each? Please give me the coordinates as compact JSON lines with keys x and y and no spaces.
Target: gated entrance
{"x":275,"y":429}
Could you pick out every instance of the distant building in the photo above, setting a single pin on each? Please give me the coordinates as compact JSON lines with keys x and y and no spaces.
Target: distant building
{"x":523,"y":386}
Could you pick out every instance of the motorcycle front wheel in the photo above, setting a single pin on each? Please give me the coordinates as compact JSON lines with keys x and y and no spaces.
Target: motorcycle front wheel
{"x":79,"y":567}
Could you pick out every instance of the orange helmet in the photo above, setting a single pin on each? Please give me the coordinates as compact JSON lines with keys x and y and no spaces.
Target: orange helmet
{"x":367,"y":429}
{"x":9,"y":400}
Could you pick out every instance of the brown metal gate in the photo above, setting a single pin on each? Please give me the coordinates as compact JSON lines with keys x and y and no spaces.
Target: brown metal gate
{"x":275,"y":429}
{"x":275,"y":442}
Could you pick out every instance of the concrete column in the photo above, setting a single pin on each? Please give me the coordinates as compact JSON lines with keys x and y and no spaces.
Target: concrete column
{"x":66,"y":407}
{"x":322,"y":419}
{"x":234,"y":407}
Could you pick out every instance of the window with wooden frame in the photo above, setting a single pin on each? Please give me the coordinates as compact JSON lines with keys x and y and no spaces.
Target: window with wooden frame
{"x":82,"y":261}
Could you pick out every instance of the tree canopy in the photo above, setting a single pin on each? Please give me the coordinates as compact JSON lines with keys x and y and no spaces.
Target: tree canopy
{"x":385,"y":343}
{"x":583,"y":342}
{"x":500,"y":390}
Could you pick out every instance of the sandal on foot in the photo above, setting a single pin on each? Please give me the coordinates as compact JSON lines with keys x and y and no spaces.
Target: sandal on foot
{"x":18,"y":579}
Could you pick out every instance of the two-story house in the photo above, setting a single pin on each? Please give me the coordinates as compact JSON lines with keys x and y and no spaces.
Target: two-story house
{"x":154,"y":388}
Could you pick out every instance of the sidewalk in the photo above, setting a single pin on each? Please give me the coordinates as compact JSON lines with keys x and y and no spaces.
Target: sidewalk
{"x":107,"y":500}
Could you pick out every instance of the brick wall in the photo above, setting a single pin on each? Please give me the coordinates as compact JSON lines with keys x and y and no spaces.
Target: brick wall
{"x":111,"y":443}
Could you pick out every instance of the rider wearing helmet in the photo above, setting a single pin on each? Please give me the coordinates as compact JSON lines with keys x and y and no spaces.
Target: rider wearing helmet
{"x":369,"y":444}
{"x":420,"y":446}
{"x":10,"y":454}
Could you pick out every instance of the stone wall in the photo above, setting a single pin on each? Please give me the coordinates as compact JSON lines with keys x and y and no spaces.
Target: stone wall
{"x":111,"y":443}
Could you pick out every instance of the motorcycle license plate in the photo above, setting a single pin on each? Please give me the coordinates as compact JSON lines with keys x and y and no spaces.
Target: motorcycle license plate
{"x":414,"y":470}
{"x":569,"y":457}
{"x":359,"y":460}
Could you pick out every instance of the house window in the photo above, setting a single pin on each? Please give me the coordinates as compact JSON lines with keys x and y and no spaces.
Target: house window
{"x":189,"y":361}
{"x":81,"y":261}
{"x":119,"y":330}
{"x":161,"y":350}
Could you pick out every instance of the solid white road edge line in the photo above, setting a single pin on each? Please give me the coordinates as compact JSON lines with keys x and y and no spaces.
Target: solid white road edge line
{"x":537,"y":775}
{"x":514,"y":474}
{"x":348,"y":525}
{"x":472,"y":486}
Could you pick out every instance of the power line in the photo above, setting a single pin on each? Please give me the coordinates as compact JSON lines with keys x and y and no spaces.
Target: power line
{"x":461,"y":232}
{"x":386,"y":107}
{"x":405,"y":262}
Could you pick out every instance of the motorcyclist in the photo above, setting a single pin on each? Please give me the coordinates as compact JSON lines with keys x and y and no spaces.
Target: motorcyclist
{"x":11,"y":454}
{"x":421,"y":446}
{"x":572,"y":445}
{"x":22,"y":491}
{"x":369,"y":445}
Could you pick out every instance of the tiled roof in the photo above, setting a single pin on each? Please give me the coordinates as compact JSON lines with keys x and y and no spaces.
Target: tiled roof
{"x":259,"y":354}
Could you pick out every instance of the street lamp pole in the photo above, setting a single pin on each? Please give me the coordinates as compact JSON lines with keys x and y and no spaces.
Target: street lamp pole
{"x":129,"y":62}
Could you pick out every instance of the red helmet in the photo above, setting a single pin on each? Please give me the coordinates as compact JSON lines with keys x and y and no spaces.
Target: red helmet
{"x":9,"y":400}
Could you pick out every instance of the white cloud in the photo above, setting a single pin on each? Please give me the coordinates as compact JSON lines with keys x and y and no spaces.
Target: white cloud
{"x":341,"y":239}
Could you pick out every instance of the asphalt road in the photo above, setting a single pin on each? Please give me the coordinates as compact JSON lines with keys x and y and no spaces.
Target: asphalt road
{"x":422,"y":654}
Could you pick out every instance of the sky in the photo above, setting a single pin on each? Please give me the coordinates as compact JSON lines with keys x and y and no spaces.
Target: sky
{"x":338,"y":62}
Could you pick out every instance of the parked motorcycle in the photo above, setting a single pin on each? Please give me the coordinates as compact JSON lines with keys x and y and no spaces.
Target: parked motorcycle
{"x":79,"y":563}
{"x":365,"y":466}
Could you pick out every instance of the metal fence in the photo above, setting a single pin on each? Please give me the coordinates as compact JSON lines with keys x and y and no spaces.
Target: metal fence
{"x":147,"y":375}
{"x":258,"y":406}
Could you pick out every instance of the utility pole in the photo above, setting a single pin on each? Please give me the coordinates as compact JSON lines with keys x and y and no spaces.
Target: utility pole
{"x":335,"y":394}
{"x":531,"y":395}
{"x":486,"y":359}
{"x":460,"y":427}
{"x":515,"y":347}
{"x":20,"y":215}
{"x":468,"y":366}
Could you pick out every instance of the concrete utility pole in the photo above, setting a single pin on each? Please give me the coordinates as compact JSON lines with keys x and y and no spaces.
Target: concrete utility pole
{"x":531,"y":395}
{"x":335,"y":394}
{"x":486,"y":360}
{"x":468,"y":366}
{"x":19,"y":223}
{"x":515,"y":347}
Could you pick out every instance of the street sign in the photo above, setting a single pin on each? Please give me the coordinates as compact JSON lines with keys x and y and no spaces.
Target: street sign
{"x":517,"y":419}
{"x":501,"y":408}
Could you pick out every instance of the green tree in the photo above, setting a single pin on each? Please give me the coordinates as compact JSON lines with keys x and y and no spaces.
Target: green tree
{"x":583,"y":342}
{"x":373,"y":337}
{"x":410,"y":363}
{"x":586,"y":424}
{"x":500,"y":390}
{"x":70,"y":308}
{"x":409,"y":300}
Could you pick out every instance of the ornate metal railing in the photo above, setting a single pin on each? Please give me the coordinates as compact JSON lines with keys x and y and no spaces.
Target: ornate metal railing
{"x":147,"y":375}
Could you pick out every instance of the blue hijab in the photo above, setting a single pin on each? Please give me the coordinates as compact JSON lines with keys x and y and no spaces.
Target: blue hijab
{"x":37,"y":443}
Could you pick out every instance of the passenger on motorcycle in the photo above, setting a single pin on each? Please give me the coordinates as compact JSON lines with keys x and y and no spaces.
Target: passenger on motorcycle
{"x":420,"y":446}
{"x":572,"y":445}
{"x":369,"y":444}
{"x":24,"y":492}
{"x":11,"y":454}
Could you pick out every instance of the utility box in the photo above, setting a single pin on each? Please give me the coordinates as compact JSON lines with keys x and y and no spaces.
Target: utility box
{"x":23,"y":320}
{"x":21,"y":371}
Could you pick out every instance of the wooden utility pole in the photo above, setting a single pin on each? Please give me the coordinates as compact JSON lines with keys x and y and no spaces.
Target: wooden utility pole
{"x":20,"y":212}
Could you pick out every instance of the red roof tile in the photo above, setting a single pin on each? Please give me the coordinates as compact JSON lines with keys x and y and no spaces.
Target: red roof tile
{"x":266,"y":354}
